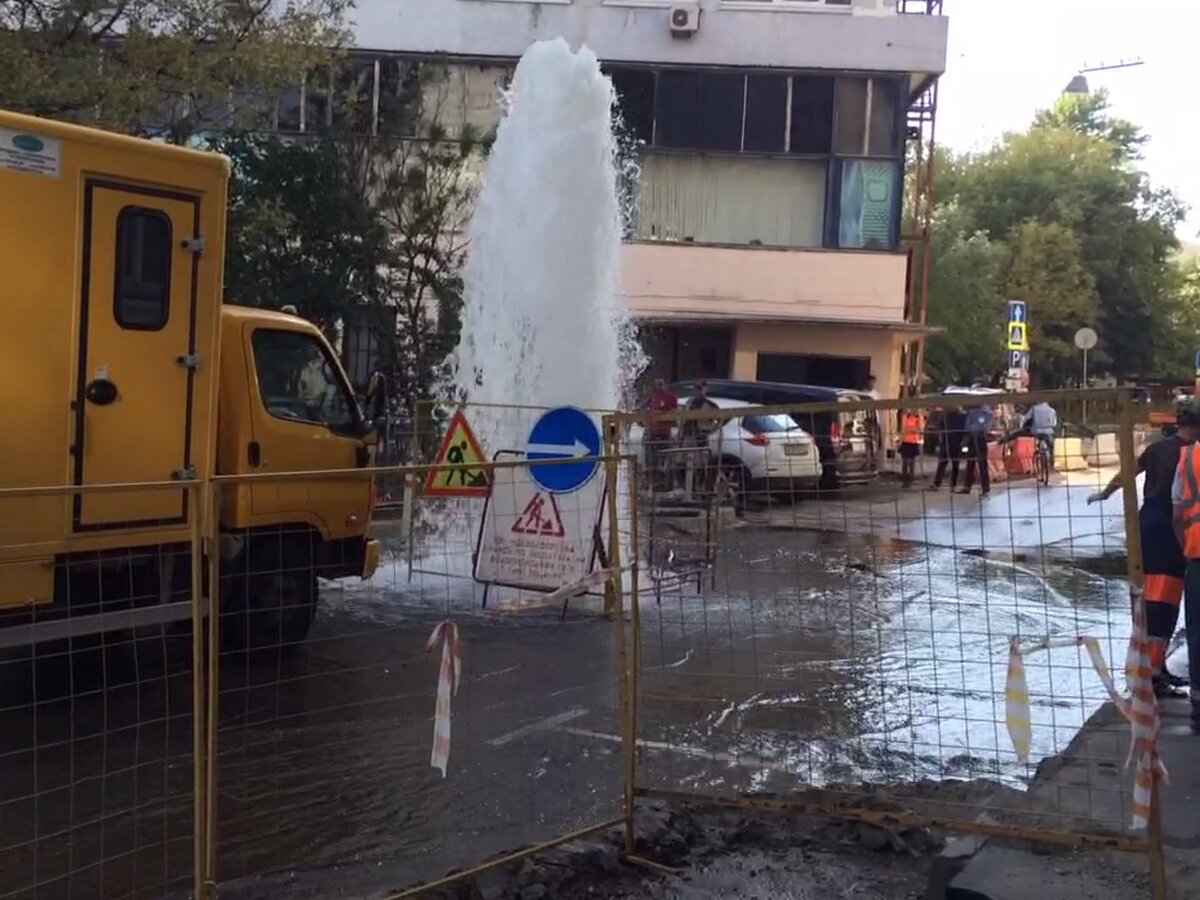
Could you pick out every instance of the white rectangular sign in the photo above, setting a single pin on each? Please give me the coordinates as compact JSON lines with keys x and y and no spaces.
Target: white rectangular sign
{"x":533,"y":539}
{"x":30,"y":153}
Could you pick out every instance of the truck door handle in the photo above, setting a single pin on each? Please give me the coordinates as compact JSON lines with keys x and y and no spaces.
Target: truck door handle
{"x":254,"y":453}
{"x":101,"y":392}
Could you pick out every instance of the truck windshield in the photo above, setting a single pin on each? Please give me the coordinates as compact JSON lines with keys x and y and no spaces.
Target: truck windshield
{"x":299,"y":382}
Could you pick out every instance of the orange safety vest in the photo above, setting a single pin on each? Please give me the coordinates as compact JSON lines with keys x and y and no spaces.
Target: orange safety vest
{"x":1189,"y":512}
{"x":913,"y":425}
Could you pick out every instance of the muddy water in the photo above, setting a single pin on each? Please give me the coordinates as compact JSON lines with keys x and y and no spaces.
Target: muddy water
{"x":831,"y":659}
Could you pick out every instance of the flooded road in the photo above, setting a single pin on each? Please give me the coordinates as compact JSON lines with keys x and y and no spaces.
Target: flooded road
{"x":808,"y":658}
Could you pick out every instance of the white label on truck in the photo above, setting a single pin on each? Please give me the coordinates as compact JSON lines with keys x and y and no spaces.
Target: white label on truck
{"x":24,"y":152}
{"x":101,"y":373}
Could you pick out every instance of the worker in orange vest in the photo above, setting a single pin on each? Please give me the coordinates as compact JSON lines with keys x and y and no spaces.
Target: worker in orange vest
{"x":1185,"y":497}
{"x":912,"y":430}
{"x":1162,"y":555}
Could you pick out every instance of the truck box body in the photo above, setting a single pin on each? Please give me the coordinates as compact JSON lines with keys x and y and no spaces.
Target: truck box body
{"x":121,"y":368}
{"x":111,"y":250}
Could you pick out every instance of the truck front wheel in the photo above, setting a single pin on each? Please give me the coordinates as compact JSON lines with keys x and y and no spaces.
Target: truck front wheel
{"x":271,"y":608}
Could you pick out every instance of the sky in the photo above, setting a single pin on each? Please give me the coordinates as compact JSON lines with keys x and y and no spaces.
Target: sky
{"x":1008,"y":58}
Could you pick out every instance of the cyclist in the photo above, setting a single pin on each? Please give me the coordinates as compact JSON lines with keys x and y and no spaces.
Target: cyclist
{"x":1042,"y":423}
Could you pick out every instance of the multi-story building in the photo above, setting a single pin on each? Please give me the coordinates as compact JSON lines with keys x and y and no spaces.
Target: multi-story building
{"x":770,"y":239}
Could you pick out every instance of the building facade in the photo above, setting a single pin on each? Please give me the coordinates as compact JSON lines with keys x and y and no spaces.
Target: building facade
{"x":770,"y":237}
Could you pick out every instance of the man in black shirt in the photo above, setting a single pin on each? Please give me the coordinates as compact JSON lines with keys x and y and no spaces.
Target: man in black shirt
{"x":1162,"y":557}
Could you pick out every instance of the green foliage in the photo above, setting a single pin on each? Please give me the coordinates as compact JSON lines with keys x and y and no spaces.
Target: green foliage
{"x":1045,"y":261}
{"x":299,"y":232}
{"x":1085,"y":240}
{"x":363,"y":231}
{"x":167,"y":67}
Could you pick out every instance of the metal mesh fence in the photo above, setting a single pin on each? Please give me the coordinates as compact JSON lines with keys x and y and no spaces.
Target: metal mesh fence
{"x":831,"y":621}
{"x":324,"y":738}
{"x":97,"y":721}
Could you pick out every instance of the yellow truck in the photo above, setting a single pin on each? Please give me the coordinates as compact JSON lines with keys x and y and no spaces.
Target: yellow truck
{"x":121,"y":366}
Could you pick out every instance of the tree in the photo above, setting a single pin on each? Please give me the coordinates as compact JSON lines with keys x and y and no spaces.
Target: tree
{"x":1045,"y":262}
{"x":164,"y":67}
{"x":1084,"y":182}
{"x":1177,"y":335}
{"x":1088,"y":114}
{"x":964,"y":299}
{"x":299,"y":232}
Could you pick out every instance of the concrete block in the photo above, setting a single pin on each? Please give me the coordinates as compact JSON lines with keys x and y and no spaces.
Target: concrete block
{"x":1068,"y":455}
{"x":1103,"y":451}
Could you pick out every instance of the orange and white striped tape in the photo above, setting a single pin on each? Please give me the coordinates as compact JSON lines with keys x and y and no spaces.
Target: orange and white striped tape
{"x":448,"y":678}
{"x":1141,"y":709}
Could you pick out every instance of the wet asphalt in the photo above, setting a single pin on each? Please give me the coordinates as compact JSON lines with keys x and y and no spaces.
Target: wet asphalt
{"x":803,"y":657}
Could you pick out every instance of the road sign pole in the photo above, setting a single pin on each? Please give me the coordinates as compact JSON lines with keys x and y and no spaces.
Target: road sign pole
{"x":1085,"y":384}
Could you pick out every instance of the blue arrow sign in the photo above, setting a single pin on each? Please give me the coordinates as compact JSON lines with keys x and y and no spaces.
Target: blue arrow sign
{"x":1016,"y":311}
{"x":561,"y":433}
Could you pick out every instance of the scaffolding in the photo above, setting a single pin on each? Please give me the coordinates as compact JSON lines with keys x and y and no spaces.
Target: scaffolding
{"x":921,"y":130}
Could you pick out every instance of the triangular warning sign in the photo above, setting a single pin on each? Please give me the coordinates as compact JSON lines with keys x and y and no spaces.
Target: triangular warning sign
{"x":540,"y":518}
{"x":459,"y":448}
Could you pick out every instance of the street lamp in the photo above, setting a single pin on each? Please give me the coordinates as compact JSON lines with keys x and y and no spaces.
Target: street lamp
{"x":1079,"y":83}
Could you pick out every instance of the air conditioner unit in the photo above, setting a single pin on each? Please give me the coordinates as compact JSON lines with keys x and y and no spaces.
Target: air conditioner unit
{"x":685,"y":19}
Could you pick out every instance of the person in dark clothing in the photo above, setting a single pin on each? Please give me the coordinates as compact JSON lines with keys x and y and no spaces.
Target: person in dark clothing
{"x":950,"y":430}
{"x":1162,"y":556}
{"x":977,"y":423}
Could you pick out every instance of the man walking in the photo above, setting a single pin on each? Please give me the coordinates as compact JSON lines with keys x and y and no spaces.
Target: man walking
{"x":950,"y":434}
{"x":978,"y":422}
{"x":1162,"y":555}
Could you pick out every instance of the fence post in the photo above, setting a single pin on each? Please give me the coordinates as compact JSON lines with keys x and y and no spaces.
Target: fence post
{"x":197,"y":495}
{"x":1136,"y":575}
{"x":213,"y":540}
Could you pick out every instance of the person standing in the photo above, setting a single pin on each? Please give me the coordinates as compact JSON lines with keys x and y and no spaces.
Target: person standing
{"x":977,"y":423}
{"x":1162,"y":556}
{"x":658,"y":430}
{"x":1185,"y":498}
{"x":912,"y":427}
{"x":950,"y":436}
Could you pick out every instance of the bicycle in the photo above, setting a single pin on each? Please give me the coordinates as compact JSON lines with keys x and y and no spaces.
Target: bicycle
{"x":1041,"y":462}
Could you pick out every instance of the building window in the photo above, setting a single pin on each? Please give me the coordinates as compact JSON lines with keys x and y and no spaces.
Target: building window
{"x":142,"y":294}
{"x":766,"y":124}
{"x":697,"y":110}
{"x":868,"y":204}
{"x":399,"y":97}
{"x":635,"y":101}
{"x":866,"y":117}
{"x":316,"y":101}
{"x":354,"y":98}
{"x":288,"y":109}
{"x":811,"y":129}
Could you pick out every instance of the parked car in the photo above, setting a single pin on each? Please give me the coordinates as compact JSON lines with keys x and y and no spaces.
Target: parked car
{"x":757,"y":452}
{"x":849,"y":442}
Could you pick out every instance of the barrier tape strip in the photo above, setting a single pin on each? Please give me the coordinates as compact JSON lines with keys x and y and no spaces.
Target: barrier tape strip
{"x":448,"y":678}
{"x":1140,"y":710}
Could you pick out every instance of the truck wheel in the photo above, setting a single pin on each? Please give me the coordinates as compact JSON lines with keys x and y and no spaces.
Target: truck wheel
{"x":272,"y":609}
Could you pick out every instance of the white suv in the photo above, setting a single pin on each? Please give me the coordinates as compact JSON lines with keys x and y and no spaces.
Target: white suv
{"x":757,"y":452}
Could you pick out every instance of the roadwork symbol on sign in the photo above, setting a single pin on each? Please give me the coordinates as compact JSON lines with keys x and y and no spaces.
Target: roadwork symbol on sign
{"x":540,"y":518}
{"x":459,"y":448}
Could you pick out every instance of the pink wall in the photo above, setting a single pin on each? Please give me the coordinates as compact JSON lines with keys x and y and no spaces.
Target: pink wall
{"x":674,"y":280}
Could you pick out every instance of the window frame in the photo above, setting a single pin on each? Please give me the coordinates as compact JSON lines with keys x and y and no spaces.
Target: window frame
{"x":148,"y":212}
{"x":354,"y":427}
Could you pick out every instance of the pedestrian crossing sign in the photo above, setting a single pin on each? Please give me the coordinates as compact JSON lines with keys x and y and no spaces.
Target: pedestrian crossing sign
{"x":1018,"y":337}
{"x":460,"y":450}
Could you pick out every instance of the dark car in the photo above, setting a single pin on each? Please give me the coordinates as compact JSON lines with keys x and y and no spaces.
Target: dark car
{"x":849,"y":442}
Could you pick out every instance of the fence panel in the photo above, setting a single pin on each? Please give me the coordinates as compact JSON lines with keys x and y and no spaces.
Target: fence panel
{"x":847,"y":649}
{"x":98,"y":736}
{"x":324,"y":741}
